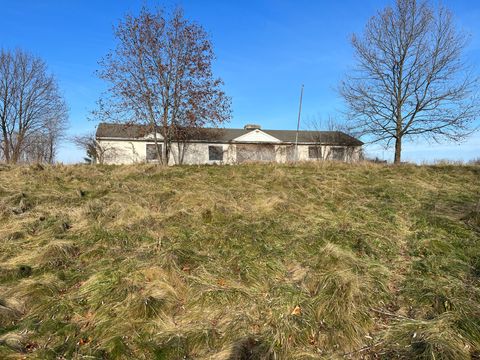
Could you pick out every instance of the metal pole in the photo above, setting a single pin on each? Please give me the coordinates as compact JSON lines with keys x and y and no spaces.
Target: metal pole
{"x":298,"y":124}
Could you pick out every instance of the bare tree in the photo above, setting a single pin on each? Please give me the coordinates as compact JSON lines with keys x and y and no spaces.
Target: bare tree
{"x":160,"y":75}
{"x":42,"y":146}
{"x":95,"y":151}
{"x":331,"y":123}
{"x":317,"y":125}
{"x":33,"y":113}
{"x":184,"y":136}
{"x":410,"y":80}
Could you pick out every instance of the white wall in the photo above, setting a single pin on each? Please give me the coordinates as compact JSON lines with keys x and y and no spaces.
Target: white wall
{"x":123,"y":152}
{"x":197,"y":153}
{"x":130,"y":152}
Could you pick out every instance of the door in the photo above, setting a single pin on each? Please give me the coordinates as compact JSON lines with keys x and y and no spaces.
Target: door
{"x":255,"y":152}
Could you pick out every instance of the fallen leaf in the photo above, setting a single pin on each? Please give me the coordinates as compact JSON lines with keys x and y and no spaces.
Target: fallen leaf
{"x":297,"y":311}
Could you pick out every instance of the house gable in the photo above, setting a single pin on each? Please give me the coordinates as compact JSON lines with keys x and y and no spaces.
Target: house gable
{"x":151,"y":136}
{"x":257,"y":136}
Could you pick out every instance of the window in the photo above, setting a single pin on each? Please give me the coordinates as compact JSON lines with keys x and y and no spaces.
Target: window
{"x":152,"y":154}
{"x":337,"y":153}
{"x":215,"y":153}
{"x":314,"y":152}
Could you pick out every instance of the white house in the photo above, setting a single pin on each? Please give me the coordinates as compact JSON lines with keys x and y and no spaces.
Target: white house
{"x":127,"y":144}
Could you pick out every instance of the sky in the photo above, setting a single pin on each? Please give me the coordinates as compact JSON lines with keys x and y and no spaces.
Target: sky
{"x":265,"y":50}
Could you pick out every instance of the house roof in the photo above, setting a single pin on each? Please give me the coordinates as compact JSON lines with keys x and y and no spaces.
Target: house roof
{"x":225,"y":135}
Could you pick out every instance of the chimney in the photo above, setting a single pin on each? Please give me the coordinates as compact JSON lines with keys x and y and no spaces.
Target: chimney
{"x":252,"y":127}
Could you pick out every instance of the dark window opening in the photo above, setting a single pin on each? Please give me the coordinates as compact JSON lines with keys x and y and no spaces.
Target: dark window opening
{"x":337,"y":153}
{"x":152,"y":154}
{"x":215,"y":153}
{"x":314,"y":152}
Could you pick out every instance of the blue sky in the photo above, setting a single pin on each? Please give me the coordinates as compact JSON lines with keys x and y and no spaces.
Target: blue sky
{"x":265,"y":50}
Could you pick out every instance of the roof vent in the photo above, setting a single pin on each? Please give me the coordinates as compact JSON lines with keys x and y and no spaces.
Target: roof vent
{"x":252,"y":127}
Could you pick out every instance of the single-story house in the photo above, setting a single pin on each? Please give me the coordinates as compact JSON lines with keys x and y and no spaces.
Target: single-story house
{"x":127,"y":144}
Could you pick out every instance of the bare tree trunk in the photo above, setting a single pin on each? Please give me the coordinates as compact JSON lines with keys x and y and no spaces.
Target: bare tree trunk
{"x":398,"y":150}
{"x":51,"y":151}
{"x":155,"y":140}
{"x":17,"y":148}
{"x":6,"y":145}
{"x":165,"y":152}
{"x":398,"y":138}
{"x":165,"y":129}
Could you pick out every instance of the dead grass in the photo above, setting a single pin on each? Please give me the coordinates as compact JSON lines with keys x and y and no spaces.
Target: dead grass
{"x":256,"y":261}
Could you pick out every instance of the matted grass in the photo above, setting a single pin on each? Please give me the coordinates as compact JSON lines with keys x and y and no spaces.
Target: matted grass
{"x":312,"y":261}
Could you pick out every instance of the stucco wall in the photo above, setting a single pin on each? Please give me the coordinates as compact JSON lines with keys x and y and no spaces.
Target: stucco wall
{"x":197,"y":153}
{"x":123,"y":152}
{"x":129,"y":152}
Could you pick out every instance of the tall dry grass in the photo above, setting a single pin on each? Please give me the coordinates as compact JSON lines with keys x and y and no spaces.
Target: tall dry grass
{"x":303,"y":261}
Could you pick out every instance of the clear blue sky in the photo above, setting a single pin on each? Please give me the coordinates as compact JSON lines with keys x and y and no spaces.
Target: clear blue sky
{"x":265,"y":50}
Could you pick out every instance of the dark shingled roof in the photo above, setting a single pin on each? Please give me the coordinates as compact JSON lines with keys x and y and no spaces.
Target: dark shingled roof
{"x":131,"y":131}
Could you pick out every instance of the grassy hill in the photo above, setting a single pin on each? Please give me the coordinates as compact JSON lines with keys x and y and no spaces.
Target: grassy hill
{"x":240,"y":262}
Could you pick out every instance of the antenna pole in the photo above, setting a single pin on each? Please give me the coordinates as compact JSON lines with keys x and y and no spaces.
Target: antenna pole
{"x":298,"y":124}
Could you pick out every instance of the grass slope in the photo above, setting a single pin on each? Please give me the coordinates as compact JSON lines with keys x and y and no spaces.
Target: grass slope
{"x":240,"y":262}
